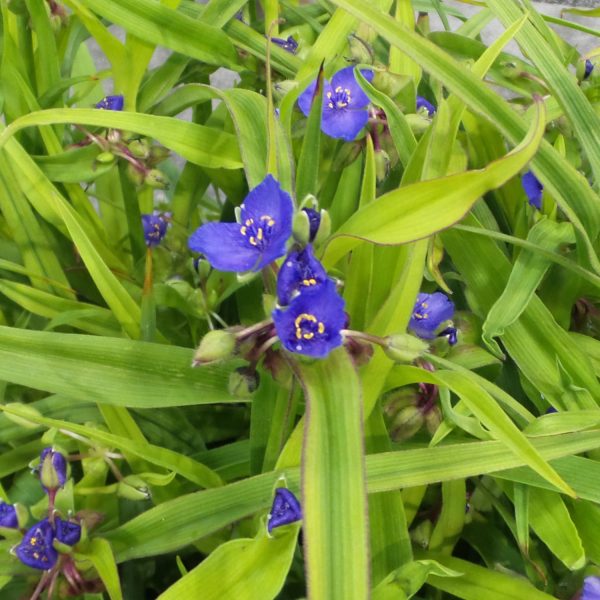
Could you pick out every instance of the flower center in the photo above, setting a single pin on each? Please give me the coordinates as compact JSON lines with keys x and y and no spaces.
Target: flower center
{"x":339,"y":99}
{"x":420,"y":311}
{"x":307,"y":326}
{"x":258,"y":233}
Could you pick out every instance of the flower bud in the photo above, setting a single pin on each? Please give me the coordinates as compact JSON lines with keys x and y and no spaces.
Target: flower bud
{"x":8,"y":516}
{"x":215,"y":346}
{"x":67,"y":532}
{"x":139,"y":148}
{"x":382,"y":165}
{"x":403,"y":347}
{"x":301,"y":227}
{"x":156,"y":179}
{"x":105,"y":158}
{"x":433,"y":419}
{"x":324,"y":230}
{"x":584,"y":69}
{"x":284,"y":510}
{"x":135,"y":175}
{"x":53,"y":470}
{"x":243,"y":382}
{"x":407,"y":422}
{"x":158,"y":153}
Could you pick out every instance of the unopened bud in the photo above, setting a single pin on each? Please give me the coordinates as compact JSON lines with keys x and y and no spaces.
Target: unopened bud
{"x":215,"y":346}
{"x":382,"y":165}
{"x":324,"y":230}
{"x":53,"y":470}
{"x":105,"y":158}
{"x":135,"y":175}
{"x":156,"y":179}
{"x":407,"y":422}
{"x":243,"y":382}
{"x":158,"y":154}
{"x":301,"y":227}
{"x":433,"y":419}
{"x":139,"y":148}
{"x":403,"y":347}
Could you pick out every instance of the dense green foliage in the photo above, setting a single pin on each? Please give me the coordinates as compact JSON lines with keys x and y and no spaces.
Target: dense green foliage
{"x":426,"y":472}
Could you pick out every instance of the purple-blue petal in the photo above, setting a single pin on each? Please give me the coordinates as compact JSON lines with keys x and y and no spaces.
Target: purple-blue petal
{"x":591,"y":588}
{"x":306,"y":97}
{"x":290,"y":45}
{"x":424,"y":103}
{"x":268,"y":198}
{"x":59,"y":463}
{"x":589,"y":67}
{"x":346,"y":79}
{"x":8,"y":516}
{"x":314,"y":220}
{"x":429,"y":312}
{"x":311,"y":324}
{"x":155,"y":227}
{"x":344,"y":124}
{"x":533,"y":189}
{"x":111,"y":102}
{"x":299,"y":272}
{"x":224,"y":247}
{"x":67,"y":532}
{"x":285,"y":509}
{"x":36,"y":549}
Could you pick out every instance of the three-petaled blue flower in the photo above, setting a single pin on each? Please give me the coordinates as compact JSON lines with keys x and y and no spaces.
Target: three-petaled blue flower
{"x":8,"y":516}
{"x":424,"y":103}
{"x":155,"y":227}
{"x":36,"y":549}
{"x":67,"y":532}
{"x":591,"y":588}
{"x":344,"y":104}
{"x":111,"y":103}
{"x":312,"y":322}
{"x":429,"y":312}
{"x":260,"y":237}
{"x":589,"y":67}
{"x":285,"y":509}
{"x":299,"y":272}
{"x":533,"y":188}
{"x":291,"y":45}
{"x":52,"y":469}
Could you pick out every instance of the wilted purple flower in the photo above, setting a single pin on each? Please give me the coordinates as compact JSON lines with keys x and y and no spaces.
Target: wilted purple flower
{"x":312,"y":323}
{"x":300,"y":271}
{"x":67,"y":532}
{"x":260,"y":238}
{"x":291,"y":45}
{"x":344,"y":104}
{"x":429,"y":312}
{"x":36,"y":549}
{"x":155,"y":227}
{"x":52,"y":469}
{"x":533,"y":189}
{"x":591,"y":588}
{"x":111,"y":103}
{"x":285,"y":509}
{"x":589,"y":67}
{"x":8,"y":515}
{"x":451,"y":333}
{"x":314,"y":220}
{"x":424,"y":103}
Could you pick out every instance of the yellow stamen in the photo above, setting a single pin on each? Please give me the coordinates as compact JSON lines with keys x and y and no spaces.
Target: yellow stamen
{"x":321,"y":328}
{"x":259,"y":233}
{"x":243,"y":229}
{"x":252,"y":241}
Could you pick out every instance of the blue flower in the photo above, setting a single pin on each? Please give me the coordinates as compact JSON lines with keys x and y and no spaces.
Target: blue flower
{"x":67,"y":532}
{"x":52,"y":469}
{"x":111,"y":103}
{"x":155,"y":227}
{"x":285,"y":509}
{"x":300,"y":271}
{"x":533,"y":188}
{"x":344,"y":104}
{"x":451,"y":333}
{"x":424,"y":103}
{"x":589,"y":67}
{"x":314,"y":220}
{"x":36,"y":549}
{"x":312,"y":322}
{"x":8,"y":515}
{"x":430,"y":311}
{"x":591,"y":588}
{"x":291,"y":45}
{"x":260,"y":238}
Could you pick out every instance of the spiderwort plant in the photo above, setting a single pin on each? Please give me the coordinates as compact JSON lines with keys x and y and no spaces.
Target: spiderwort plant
{"x":345,"y":105}
{"x":284,"y":510}
{"x":155,"y":227}
{"x":8,"y":516}
{"x":114,"y":102}
{"x":533,"y":189}
{"x":429,"y":313}
{"x":424,"y":105}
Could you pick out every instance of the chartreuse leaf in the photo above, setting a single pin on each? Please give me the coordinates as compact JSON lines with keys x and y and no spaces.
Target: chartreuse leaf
{"x":485,"y":408}
{"x":586,"y":517}
{"x":334,"y":501}
{"x":419,"y":210}
{"x":100,"y":554}
{"x":199,"y":144}
{"x":188,"y":518}
{"x":109,"y":370}
{"x":568,"y":187}
{"x":476,"y":583}
{"x":245,"y":569}
{"x":526,"y":275}
{"x":162,"y":457}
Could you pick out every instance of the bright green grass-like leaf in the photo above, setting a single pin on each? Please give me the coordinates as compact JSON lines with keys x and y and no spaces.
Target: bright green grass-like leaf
{"x":416,"y":211}
{"x":333,"y":485}
{"x":109,"y":370}
{"x":199,"y":144}
{"x":244,"y":569}
{"x":99,"y":553}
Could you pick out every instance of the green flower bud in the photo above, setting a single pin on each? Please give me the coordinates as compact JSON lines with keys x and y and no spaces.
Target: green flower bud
{"x":407,"y":422}
{"x":158,"y":154}
{"x":301,"y":227}
{"x":215,"y":346}
{"x":433,"y":419}
{"x":156,"y":179}
{"x":421,"y":534}
{"x":324,"y":230}
{"x":243,"y":382}
{"x":135,"y":175}
{"x":403,"y":347}
{"x":105,"y":157}
{"x":139,"y":148}
{"x":382,"y":165}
